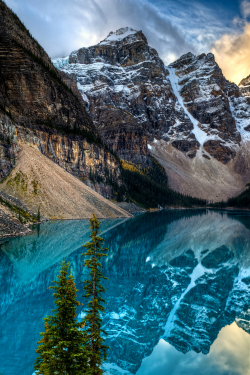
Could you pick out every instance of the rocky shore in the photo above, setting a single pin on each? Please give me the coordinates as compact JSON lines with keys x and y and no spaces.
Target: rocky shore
{"x":9,"y":226}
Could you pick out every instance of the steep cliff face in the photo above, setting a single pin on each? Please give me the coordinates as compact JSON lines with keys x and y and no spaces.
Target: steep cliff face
{"x":30,"y":86}
{"x":42,"y":107}
{"x":70,"y":151}
{"x":41,"y":184}
{"x":204,"y":92}
{"x":8,"y":145}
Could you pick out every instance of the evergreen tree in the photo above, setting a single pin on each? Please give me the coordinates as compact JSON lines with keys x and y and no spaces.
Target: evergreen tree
{"x":93,"y":292}
{"x":20,"y":218}
{"x":38,"y":214}
{"x":62,"y":347}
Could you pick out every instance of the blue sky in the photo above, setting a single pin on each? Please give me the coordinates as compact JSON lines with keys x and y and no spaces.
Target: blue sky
{"x":172,"y":27}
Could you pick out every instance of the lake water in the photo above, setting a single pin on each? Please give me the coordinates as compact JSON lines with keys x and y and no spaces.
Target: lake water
{"x":178,"y":294}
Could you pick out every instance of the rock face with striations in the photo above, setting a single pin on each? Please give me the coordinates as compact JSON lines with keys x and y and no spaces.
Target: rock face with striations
{"x":43,"y":108}
{"x":30,"y":86}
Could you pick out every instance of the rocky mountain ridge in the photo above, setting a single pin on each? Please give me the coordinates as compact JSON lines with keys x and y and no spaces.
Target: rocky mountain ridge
{"x":185,"y":111}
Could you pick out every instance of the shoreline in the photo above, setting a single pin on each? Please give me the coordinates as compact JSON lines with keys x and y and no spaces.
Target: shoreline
{"x":133,"y":214}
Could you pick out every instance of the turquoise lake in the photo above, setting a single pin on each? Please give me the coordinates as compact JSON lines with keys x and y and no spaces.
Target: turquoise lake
{"x":178,"y":291}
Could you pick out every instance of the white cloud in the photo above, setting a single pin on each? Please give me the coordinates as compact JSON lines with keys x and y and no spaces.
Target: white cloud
{"x":172,"y":28}
{"x":229,"y":355}
{"x":245,"y":8}
{"x":232,"y":53}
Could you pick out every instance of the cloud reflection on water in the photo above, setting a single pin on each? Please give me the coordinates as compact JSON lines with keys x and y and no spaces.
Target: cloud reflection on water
{"x":229,"y":355}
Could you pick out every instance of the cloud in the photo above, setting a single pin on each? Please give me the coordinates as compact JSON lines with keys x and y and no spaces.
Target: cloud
{"x":172,"y":28}
{"x":232,"y":53}
{"x":245,"y":8}
{"x":62,"y":25}
{"x":229,"y":355}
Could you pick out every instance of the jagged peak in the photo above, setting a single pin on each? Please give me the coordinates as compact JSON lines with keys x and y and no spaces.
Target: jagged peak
{"x":210,"y":56}
{"x":244,"y":81}
{"x":189,"y":57}
{"x":122,"y":31}
{"x":186,"y":55}
{"x":118,"y":35}
{"x":186,"y":58}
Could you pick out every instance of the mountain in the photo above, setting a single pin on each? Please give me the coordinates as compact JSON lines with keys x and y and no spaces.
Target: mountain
{"x":123,"y":74}
{"x":120,"y":121}
{"x":187,"y":115}
{"x":42,"y":107}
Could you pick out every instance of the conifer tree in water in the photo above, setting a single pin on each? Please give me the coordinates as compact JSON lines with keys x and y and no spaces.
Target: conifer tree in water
{"x":62,"y":347}
{"x":93,"y":292}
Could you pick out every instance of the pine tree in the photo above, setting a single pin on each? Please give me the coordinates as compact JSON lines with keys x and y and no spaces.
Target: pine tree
{"x":38,"y":215}
{"x":93,"y":292}
{"x":62,"y":347}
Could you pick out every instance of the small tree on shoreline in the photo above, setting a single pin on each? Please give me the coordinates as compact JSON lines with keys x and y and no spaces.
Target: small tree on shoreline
{"x":38,"y":215}
{"x":93,"y":292}
{"x":62,"y":349}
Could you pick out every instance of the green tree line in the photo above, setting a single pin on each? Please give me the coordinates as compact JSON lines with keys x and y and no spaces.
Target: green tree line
{"x":241,"y":201}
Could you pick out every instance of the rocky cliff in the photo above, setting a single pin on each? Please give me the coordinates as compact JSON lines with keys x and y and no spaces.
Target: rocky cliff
{"x":188,"y":115}
{"x":42,"y":108}
{"x":10,"y":226}
{"x":30,"y":86}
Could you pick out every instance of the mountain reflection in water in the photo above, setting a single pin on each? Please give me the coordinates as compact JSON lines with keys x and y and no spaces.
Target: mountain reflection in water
{"x":176,"y":278}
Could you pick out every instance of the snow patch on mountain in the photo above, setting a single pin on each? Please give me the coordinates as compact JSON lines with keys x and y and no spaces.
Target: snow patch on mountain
{"x":198,"y":271}
{"x":60,"y":62}
{"x":241,"y":112}
{"x":118,"y":35}
{"x":200,"y":135}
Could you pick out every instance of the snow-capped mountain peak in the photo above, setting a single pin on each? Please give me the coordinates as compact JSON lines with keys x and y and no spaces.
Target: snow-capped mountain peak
{"x":118,"y":35}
